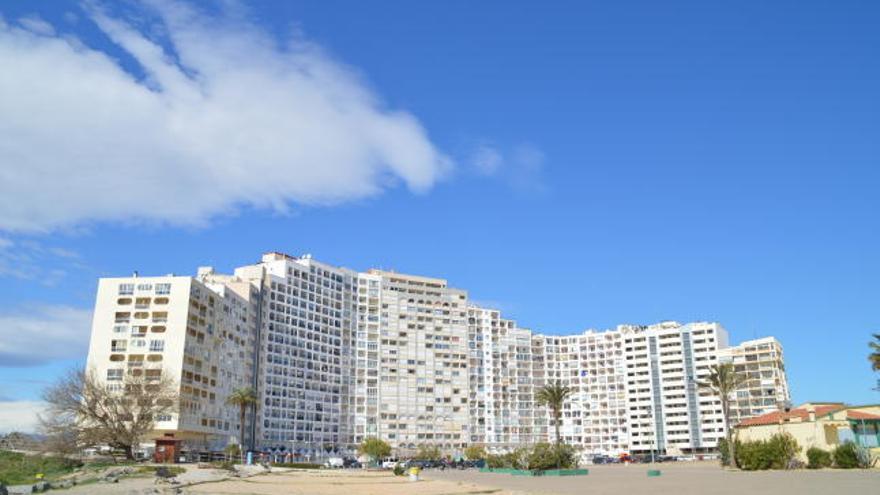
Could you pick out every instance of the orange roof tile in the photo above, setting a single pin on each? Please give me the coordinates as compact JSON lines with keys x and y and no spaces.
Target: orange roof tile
{"x":798,"y":413}
{"x":861,"y":415}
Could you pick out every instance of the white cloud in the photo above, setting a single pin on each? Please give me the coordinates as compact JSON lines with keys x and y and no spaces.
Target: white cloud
{"x":27,"y":259}
{"x":521,"y":166}
{"x":40,"y":334}
{"x":226,"y":117}
{"x":37,"y":25}
{"x":486,"y":159}
{"x":20,"y":416}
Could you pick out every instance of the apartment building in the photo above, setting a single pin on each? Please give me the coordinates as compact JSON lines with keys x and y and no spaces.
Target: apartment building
{"x":765,"y":389}
{"x":668,"y":411}
{"x":592,"y":366}
{"x":422,"y":392}
{"x":501,"y":381}
{"x":337,"y":356}
{"x":198,"y":333}
{"x":304,"y":354}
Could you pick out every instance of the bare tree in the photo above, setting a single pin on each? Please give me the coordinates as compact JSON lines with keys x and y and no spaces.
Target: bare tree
{"x":84,"y":410}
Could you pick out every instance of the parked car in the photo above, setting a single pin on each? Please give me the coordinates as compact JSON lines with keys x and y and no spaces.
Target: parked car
{"x":351,"y":463}
{"x":389,"y":463}
{"x":335,"y":462}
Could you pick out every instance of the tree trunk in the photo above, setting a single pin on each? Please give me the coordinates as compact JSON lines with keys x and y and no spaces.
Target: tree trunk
{"x":241,"y":438}
{"x":557,"y":415}
{"x":129,"y":452}
{"x":731,"y":445}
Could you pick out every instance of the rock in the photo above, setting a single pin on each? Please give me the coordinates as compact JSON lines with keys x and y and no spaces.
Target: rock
{"x":41,"y":486}
{"x":3,"y":490}
{"x":20,"y":489}
{"x":61,"y":484}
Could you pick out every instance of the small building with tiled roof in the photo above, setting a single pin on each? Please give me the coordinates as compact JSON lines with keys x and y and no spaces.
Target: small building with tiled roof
{"x":818,"y":424}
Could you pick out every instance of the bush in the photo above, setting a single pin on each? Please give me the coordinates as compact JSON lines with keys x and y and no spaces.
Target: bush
{"x":849,"y":456}
{"x":398,"y":470}
{"x":475,"y":452}
{"x":517,"y":459}
{"x":429,"y":453}
{"x":783,"y":450}
{"x":549,"y":456}
{"x":818,"y":458}
{"x":779,"y":452}
{"x":724,"y":450}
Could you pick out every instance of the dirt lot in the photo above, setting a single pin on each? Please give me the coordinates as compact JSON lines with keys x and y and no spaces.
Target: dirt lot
{"x":342,"y":482}
{"x":678,"y":479}
{"x":684,"y":478}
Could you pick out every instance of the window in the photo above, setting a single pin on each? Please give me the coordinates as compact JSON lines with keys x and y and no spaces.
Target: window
{"x":120,"y":328}
{"x":126,"y":289}
{"x":117,"y":345}
{"x":163,"y":288}
{"x":138,"y":343}
{"x":157,"y":345}
{"x":114,"y":375}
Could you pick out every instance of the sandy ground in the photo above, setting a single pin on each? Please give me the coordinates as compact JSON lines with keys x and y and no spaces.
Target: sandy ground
{"x":343,"y":482}
{"x":684,"y":478}
{"x":679,"y":479}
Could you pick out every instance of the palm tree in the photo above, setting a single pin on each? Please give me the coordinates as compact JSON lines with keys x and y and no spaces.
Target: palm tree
{"x":874,"y":357}
{"x":724,"y":381}
{"x":553,"y":396}
{"x":244,"y":398}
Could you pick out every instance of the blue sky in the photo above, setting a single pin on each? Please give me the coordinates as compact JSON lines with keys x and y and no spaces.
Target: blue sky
{"x":578,"y":165}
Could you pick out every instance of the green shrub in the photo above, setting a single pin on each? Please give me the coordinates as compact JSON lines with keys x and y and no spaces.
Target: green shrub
{"x":783,"y":450}
{"x":779,"y":452}
{"x":398,"y":470}
{"x":298,"y":465}
{"x":475,"y":452}
{"x":818,"y":458}
{"x":724,"y":450}
{"x":517,"y":459}
{"x":550,"y":456}
{"x":848,"y":455}
{"x":429,"y":453}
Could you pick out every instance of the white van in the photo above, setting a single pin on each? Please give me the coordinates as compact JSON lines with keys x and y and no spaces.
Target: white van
{"x":389,"y":463}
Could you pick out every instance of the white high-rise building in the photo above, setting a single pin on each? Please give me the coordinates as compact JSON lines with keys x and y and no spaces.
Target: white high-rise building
{"x":668,"y":411}
{"x":337,"y":356}
{"x":304,"y":361}
{"x":501,"y":381}
{"x":422,"y":392}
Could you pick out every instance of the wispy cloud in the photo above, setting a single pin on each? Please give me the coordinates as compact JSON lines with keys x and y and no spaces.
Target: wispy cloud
{"x":40,"y":334}
{"x":225,"y":116}
{"x":520,"y":166}
{"x":28,"y":259}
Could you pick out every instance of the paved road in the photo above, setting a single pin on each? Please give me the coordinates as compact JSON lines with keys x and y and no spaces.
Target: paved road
{"x":680,"y":479}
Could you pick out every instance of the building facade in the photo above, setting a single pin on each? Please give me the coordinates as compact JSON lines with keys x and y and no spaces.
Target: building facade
{"x":196,"y":332}
{"x":765,"y":388}
{"x":337,"y":356}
